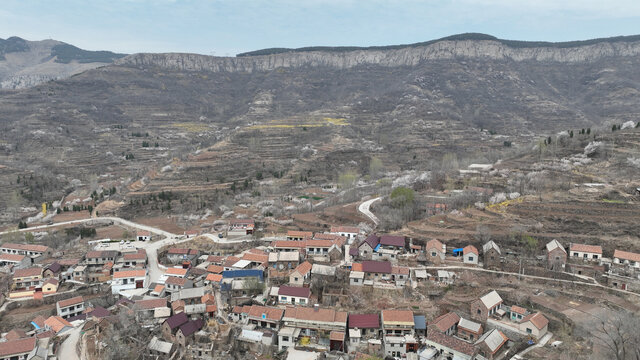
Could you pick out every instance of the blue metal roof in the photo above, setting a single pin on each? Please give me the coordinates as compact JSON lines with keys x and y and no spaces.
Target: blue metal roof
{"x":457,"y":250}
{"x":377,"y":248}
{"x":232,"y":274}
{"x":420,"y":322}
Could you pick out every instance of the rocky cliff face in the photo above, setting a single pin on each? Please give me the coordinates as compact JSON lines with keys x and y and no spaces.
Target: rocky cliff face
{"x":410,"y":56}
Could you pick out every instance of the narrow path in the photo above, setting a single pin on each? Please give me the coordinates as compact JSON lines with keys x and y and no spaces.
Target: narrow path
{"x":364,"y":208}
{"x":68,"y":347}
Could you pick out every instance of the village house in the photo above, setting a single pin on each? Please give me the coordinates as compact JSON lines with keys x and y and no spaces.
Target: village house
{"x":486,"y":306}
{"x":323,"y":272}
{"x":535,"y":325}
{"x":517,"y":313}
{"x":186,"y":331}
{"x":52,"y":270}
{"x":348,"y":232}
{"x":171,"y":325}
{"x":398,"y":329}
{"x":50,"y":286}
{"x":35,"y":252}
{"x":135,"y":259}
{"x":300,"y":274}
{"x":376,"y":271}
{"x":585,"y":252}
{"x":17,"y":349}
{"x":313,"y":322}
{"x":142,"y":235}
{"x":397,"y":322}
{"x":627,"y":259}
{"x":15,"y":261}
{"x":449,"y":346}
{"x":189,"y":296}
{"x":265,"y":317}
{"x":389,"y":248}
{"x":367,"y":247}
{"x":178,"y":255}
{"x":446,"y":323}
{"x":145,"y":309}
{"x":70,"y":307}
{"x":177,"y":272}
{"x":80,"y":273}
{"x":556,"y":255}
{"x":58,"y":324}
{"x":293,"y":295}
{"x":176,"y":283}
{"x":491,"y":255}
{"x":257,"y":259}
{"x":294,"y":235}
{"x":470,"y":255}
{"x":323,"y":250}
{"x":241,"y":227}
{"x":97,"y":259}
{"x":158,"y":349}
{"x":27,"y":278}
{"x":284,"y":260}
{"x":288,"y":245}
{"x":436,"y":251}
{"x":490,"y":344}
{"x":128,"y":280}
{"x":400,"y":274}
{"x":363,"y":327}
{"x":469,"y":330}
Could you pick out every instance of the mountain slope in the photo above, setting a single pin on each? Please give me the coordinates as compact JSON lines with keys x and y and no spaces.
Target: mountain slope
{"x":317,"y":114}
{"x":27,"y":63}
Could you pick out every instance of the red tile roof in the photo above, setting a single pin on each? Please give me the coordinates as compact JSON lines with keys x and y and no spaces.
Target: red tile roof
{"x":214,"y":277}
{"x":317,"y":315}
{"x":364,"y":321}
{"x":150,"y":304}
{"x":294,"y":291}
{"x":11,"y":257}
{"x":287,"y":244}
{"x":28,"y":272}
{"x":17,"y":347}
{"x":446,"y":321}
{"x":625,"y":255}
{"x":71,"y":301}
{"x":271,"y":313}
{"x":174,"y":280}
{"x":372,"y":266}
{"x":303,"y":268}
{"x":518,"y":310}
{"x":216,"y":269}
{"x":173,"y":271}
{"x":345,"y":229}
{"x":299,"y":234}
{"x":596,"y":249}
{"x":129,"y":273}
{"x":405,"y":316}
{"x":470,"y":249}
{"x":451,"y":342}
{"x":392,"y":240}
{"x":25,"y":247}
{"x":57,"y":323}
{"x":336,"y":336}
{"x":434,"y":244}
{"x":537,"y":319}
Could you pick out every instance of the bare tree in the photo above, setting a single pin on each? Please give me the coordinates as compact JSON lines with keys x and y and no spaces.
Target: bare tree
{"x":617,"y":336}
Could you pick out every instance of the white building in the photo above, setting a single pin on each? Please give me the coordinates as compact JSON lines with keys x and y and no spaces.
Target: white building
{"x":585,"y":252}
{"x":128,"y":280}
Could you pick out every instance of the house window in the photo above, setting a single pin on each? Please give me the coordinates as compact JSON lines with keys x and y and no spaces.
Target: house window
{"x":302,"y":301}
{"x":295,"y":279}
{"x":355,"y":280}
{"x":584,"y":256}
{"x":595,"y":256}
{"x":479,"y":311}
{"x":283,"y":298}
{"x":575,"y":254}
{"x":470,"y":258}
{"x":285,"y":338}
{"x":433,"y":253}
{"x":529,"y":331}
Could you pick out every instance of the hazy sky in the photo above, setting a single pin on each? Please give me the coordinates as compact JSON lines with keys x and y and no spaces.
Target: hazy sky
{"x":226,"y":27}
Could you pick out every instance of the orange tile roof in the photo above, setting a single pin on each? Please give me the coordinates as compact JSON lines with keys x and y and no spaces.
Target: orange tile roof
{"x":28,"y":272}
{"x":25,"y":247}
{"x":625,"y":255}
{"x":57,"y":323}
{"x":271,"y":313}
{"x":11,"y":257}
{"x":158,"y":289}
{"x":316,"y":315}
{"x":299,"y":234}
{"x":289,"y":244}
{"x":518,"y":310}
{"x":596,"y":249}
{"x":402,"y":316}
{"x":470,"y":248}
{"x":356,"y":267}
{"x":216,"y":269}
{"x":319,"y":243}
{"x":71,"y":301}
{"x":212,"y":308}
{"x":446,"y":321}
{"x":345,"y":229}
{"x":303,"y":268}
{"x":16,"y":347}
{"x":208,"y":299}
{"x":538,"y":320}
{"x":174,"y":280}
{"x":259,"y":258}
{"x":402,"y":270}
{"x":150,"y":304}
{"x":214,"y":277}
{"x":129,"y":273}
{"x":434,"y":244}
{"x":336,"y":336}
{"x":173,"y":271}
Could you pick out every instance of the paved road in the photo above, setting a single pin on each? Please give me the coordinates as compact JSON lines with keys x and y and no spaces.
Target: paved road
{"x":364,"y":208}
{"x":68,"y":348}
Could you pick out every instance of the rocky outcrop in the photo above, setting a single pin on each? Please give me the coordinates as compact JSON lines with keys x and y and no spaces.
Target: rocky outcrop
{"x":409,"y":56}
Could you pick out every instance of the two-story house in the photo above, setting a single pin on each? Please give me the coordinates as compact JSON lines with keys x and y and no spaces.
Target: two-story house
{"x":70,"y":307}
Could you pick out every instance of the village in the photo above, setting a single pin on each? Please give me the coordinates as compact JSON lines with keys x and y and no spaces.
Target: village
{"x":288,"y":296}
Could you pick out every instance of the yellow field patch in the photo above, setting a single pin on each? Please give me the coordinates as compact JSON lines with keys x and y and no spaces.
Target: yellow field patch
{"x":189,"y":126}
{"x":326,"y":122}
